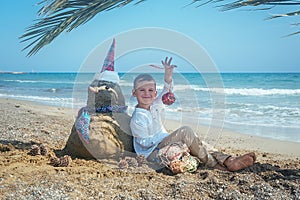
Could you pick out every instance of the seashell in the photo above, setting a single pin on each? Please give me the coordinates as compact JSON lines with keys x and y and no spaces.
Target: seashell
{"x":54,"y":161}
{"x":123,"y":164}
{"x":132,"y":162}
{"x":141,"y":159}
{"x":61,"y":162}
{"x":43,"y":150}
{"x":65,"y":161}
{"x":35,"y":150}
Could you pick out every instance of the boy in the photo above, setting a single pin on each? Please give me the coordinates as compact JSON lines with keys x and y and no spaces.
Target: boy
{"x":149,"y":134}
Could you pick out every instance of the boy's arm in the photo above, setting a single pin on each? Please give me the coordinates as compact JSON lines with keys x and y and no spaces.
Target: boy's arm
{"x":168,"y":86}
{"x":168,"y":69}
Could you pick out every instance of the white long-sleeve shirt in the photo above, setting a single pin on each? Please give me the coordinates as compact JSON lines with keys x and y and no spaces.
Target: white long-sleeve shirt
{"x":146,"y":125}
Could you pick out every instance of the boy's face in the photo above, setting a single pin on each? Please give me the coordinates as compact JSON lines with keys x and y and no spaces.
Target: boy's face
{"x":145,"y":92}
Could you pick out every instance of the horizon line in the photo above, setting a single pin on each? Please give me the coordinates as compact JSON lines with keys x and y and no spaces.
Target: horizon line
{"x":249,"y":72}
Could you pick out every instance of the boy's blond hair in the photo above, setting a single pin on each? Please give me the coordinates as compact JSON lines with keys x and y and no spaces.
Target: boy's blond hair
{"x":141,"y":78}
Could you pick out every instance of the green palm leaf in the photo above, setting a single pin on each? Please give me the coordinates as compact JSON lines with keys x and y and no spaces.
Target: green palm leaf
{"x":259,"y":4}
{"x":64,"y":15}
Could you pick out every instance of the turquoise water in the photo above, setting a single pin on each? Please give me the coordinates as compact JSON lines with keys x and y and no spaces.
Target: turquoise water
{"x":265,"y":104}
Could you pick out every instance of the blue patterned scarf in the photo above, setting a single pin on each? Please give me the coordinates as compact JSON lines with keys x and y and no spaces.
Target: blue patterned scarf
{"x":83,"y":120}
{"x":109,"y":109}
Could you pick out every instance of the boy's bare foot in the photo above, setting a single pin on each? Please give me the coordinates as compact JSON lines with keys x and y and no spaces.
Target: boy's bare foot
{"x":240,"y":162}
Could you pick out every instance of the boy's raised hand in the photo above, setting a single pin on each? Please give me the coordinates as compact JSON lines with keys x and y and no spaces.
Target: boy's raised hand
{"x":168,"y":69}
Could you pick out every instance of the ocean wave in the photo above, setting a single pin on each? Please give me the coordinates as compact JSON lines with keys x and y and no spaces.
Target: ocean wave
{"x":263,"y":109}
{"x":262,"y":125}
{"x":160,"y":86}
{"x":125,"y":84}
{"x":186,"y":87}
{"x":230,"y":91}
{"x":290,"y":110}
{"x":65,"y":102}
{"x":48,"y":82}
{"x":53,"y":90}
{"x":187,"y":109}
{"x":251,"y":91}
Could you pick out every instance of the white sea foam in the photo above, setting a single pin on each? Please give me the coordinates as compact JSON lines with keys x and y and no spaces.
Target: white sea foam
{"x":48,"y":81}
{"x":232,"y":91}
{"x":64,"y":102}
{"x":186,"y":87}
{"x":125,"y":84}
{"x":251,"y":91}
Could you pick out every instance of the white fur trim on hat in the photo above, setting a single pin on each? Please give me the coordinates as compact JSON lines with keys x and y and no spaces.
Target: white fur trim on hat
{"x":111,"y":76}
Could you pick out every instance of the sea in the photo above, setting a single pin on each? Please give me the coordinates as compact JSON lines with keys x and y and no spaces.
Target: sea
{"x":261,"y":104}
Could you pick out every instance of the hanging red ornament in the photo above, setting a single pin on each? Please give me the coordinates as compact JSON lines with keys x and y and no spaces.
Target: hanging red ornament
{"x":168,"y":98}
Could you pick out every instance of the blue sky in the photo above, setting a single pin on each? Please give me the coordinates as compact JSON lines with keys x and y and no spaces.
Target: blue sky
{"x":237,"y":40}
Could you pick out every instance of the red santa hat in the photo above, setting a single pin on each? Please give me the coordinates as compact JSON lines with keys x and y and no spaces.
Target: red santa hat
{"x":108,"y":70}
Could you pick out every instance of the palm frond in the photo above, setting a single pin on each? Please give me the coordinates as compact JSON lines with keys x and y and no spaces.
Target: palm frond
{"x":64,"y":15}
{"x":295,"y":33}
{"x":284,"y":15}
{"x":260,"y":4}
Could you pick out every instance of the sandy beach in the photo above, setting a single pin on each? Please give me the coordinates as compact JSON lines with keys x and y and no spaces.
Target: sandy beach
{"x":275,"y":175}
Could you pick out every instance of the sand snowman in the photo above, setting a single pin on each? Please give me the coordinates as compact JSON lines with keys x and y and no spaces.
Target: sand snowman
{"x":101,"y":129}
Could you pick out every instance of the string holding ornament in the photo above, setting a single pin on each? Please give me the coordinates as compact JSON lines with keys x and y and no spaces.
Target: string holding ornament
{"x":169,"y":97}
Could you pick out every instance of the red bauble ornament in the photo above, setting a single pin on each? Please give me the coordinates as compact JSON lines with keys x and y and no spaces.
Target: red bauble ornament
{"x":168,"y":98}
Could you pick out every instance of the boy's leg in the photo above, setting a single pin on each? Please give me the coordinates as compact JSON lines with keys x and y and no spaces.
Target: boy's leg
{"x":206,"y":153}
{"x":187,"y":136}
